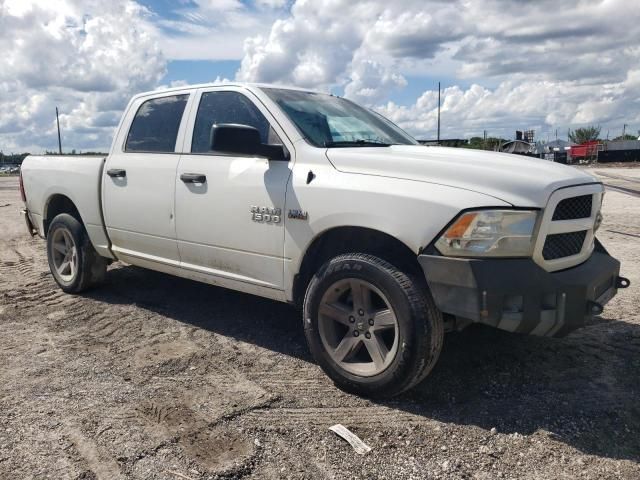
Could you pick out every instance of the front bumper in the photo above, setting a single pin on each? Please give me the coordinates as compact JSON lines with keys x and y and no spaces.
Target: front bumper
{"x":517,"y":295}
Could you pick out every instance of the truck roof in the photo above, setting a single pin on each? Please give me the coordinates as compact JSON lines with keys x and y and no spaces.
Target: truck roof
{"x":225,"y":84}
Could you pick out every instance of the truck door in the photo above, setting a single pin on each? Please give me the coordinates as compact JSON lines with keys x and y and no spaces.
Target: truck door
{"x":230,"y":224}
{"x":139,"y":181}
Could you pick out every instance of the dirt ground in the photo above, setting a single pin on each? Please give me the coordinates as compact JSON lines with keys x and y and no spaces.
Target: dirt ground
{"x":155,"y":377}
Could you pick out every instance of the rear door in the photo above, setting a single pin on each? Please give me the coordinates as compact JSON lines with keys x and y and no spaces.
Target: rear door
{"x":139,"y":180}
{"x":231,"y":224}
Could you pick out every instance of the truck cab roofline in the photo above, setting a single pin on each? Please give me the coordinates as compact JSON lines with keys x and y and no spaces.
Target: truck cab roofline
{"x":247,"y":85}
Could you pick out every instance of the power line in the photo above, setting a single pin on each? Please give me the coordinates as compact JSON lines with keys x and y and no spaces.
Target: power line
{"x":59,"y":138}
{"x":438,"y":112}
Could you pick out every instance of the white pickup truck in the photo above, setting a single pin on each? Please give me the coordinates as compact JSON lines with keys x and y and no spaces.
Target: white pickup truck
{"x":307,"y":198}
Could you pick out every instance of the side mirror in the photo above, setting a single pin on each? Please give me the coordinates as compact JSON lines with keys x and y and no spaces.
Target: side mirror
{"x":243,"y":140}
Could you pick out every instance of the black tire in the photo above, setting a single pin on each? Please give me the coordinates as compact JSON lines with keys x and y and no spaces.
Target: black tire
{"x":419,"y":324}
{"x":91,"y":267}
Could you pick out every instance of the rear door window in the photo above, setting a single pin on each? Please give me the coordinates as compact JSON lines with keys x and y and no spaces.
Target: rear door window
{"x":155,"y":126}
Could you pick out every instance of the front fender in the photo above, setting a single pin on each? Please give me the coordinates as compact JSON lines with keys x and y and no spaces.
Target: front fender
{"x":412,"y":212}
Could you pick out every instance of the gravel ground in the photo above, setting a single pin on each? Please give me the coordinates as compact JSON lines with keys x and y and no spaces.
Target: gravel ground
{"x":152,"y":376}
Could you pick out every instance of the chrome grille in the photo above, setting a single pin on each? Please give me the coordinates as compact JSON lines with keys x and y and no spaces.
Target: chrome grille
{"x":573,"y":208}
{"x":562,"y":245}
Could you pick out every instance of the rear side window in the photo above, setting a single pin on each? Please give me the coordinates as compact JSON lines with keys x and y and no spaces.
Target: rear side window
{"x":227,"y":107}
{"x":155,"y":126}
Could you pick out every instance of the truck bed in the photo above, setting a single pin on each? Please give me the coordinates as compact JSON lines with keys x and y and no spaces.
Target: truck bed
{"x":47,"y":177}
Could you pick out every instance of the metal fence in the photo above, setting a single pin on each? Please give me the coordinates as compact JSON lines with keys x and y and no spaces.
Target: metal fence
{"x":622,"y":145}
{"x":610,"y":156}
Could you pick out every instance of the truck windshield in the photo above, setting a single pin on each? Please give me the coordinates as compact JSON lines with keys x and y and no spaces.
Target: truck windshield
{"x":328,"y":121}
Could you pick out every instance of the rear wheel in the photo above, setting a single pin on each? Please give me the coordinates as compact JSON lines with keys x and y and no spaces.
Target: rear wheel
{"x":74,"y":263}
{"x":372,"y":329}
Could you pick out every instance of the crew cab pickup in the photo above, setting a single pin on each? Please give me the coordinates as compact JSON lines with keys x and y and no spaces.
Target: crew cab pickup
{"x":308,"y":198}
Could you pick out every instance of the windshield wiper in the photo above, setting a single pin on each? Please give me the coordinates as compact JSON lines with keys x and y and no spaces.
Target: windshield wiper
{"x":356,"y":143}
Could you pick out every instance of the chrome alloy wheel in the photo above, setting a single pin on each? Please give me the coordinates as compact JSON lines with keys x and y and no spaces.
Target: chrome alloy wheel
{"x":357,"y":327}
{"x":64,"y":255}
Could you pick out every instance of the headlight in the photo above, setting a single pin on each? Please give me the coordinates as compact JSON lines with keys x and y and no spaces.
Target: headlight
{"x":490,"y":233}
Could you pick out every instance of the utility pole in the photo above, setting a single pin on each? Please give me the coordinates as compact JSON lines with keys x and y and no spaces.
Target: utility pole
{"x":556,"y":134}
{"x":59,"y":139}
{"x":484,"y":142}
{"x":624,"y":130}
{"x":438,"y":113}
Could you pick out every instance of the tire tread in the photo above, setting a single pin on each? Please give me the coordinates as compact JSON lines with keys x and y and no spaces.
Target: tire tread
{"x":428,"y":338}
{"x":92,"y":267}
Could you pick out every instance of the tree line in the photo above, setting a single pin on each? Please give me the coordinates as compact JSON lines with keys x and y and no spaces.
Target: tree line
{"x":592,"y":133}
{"x":13,"y":158}
{"x":17,"y":158}
{"x":576,"y":136}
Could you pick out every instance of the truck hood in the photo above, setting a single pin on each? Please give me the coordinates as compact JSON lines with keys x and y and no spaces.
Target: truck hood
{"x":515,"y":179}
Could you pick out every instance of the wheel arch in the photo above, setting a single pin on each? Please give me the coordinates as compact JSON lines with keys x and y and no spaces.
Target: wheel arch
{"x":56,"y":204}
{"x":349,"y":239}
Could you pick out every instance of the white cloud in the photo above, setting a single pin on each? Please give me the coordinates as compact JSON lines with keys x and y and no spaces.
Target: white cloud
{"x":370,"y":81}
{"x":214,"y":29}
{"x":87,"y":57}
{"x":507,"y":64}
{"x":332,"y":42}
{"x":551,"y":63}
{"x":311,"y":48}
{"x":543,"y":105}
{"x":272,"y":3}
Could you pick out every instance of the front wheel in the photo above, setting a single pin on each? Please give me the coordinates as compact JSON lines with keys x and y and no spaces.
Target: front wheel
{"x":74,"y":263}
{"x":372,"y":329}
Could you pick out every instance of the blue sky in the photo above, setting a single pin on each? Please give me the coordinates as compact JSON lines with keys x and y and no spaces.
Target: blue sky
{"x":502,"y":64}
{"x":203,"y":71}
{"x":428,"y":42}
{"x":195,"y":71}
{"x":200,"y":71}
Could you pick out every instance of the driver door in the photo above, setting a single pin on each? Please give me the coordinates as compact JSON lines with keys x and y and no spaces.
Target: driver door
{"x":216,"y":228}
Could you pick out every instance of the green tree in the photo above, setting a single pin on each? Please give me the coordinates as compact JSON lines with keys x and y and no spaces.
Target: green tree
{"x":626,"y":137}
{"x":586,"y":134}
{"x":475,"y":142}
{"x":479,"y":143}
